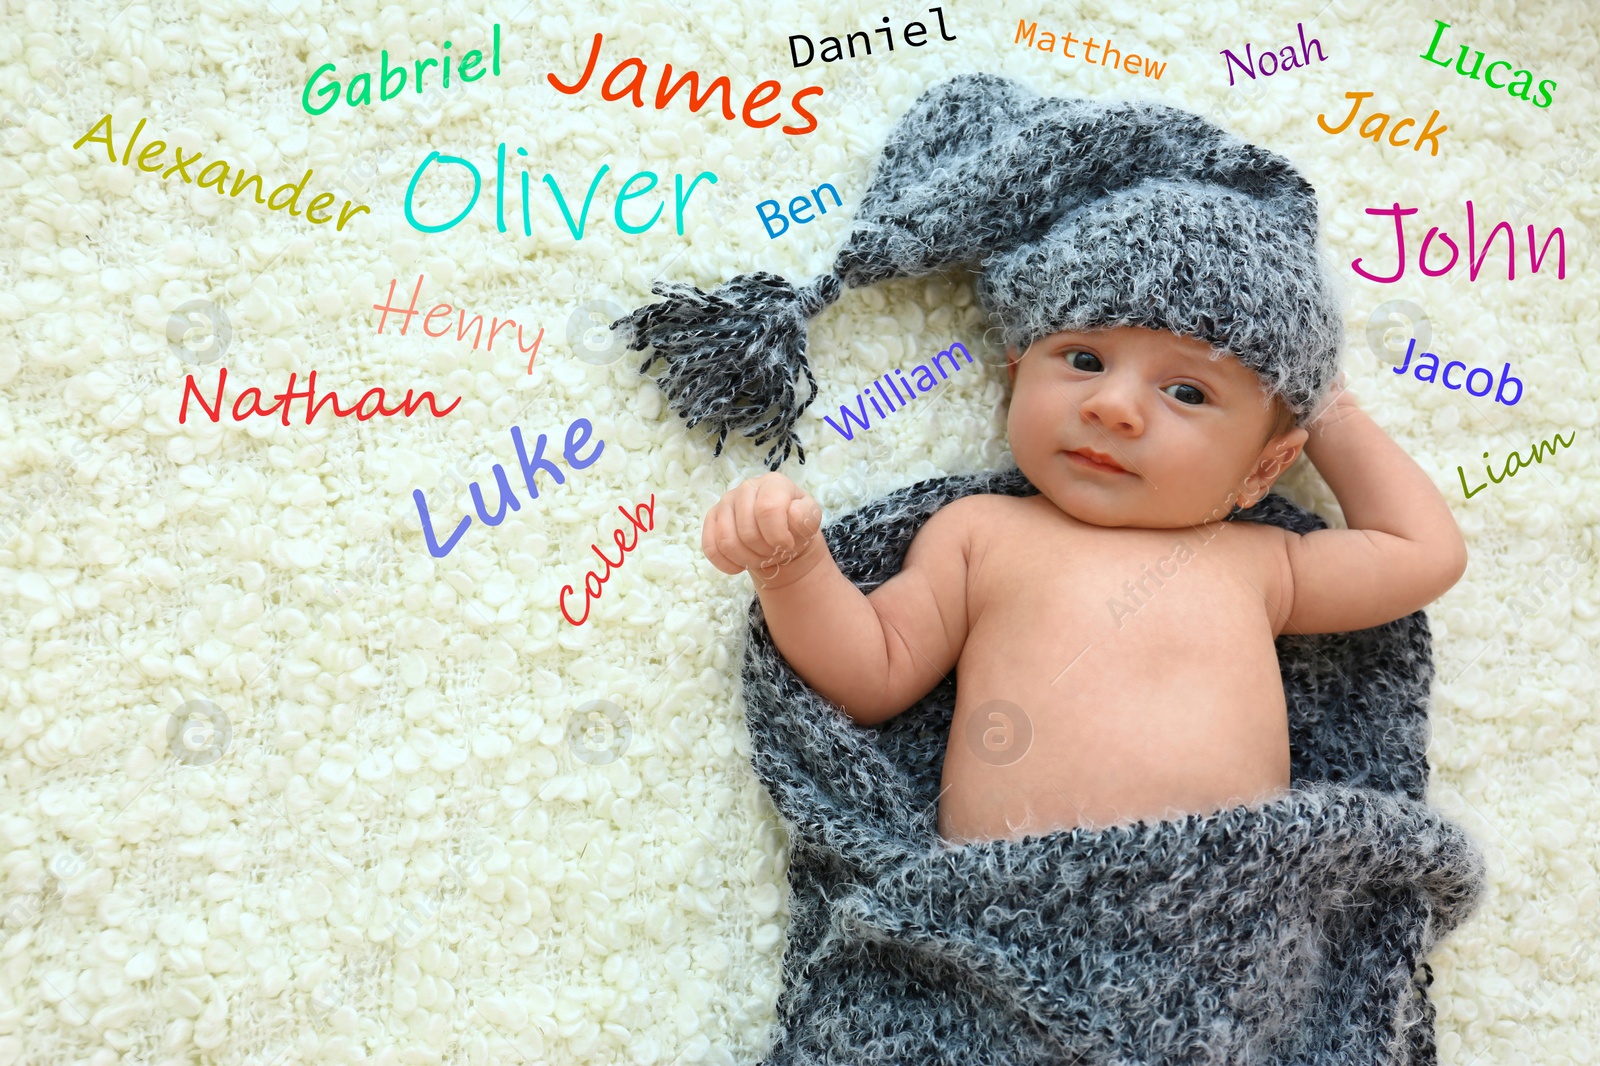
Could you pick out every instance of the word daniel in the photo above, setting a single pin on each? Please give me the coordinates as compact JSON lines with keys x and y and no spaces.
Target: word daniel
{"x":443,"y":310}
{"x":1509,"y":471}
{"x":330,"y":91}
{"x":408,"y":406}
{"x":1432,"y":366}
{"x":922,"y":374}
{"x":1518,"y":87}
{"x":761,"y":96}
{"x":1428,"y":133}
{"x":797,"y":205}
{"x":1047,"y":42}
{"x":1474,"y":260}
{"x":577,"y":436}
{"x":594,"y":584}
{"x":576,"y":228}
{"x":1249,"y":65}
{"x":319,"y":202}
{"x":888,"y":35}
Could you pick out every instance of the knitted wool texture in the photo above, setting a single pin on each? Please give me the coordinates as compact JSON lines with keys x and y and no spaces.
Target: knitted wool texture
{"x":1291,"y":932}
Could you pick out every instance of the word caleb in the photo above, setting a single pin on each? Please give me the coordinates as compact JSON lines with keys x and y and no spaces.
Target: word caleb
{"x":1521,"y":78}
{"x":1047,"y":43}
{"x":761,"y":96}
{"x":1289,"y":62}
{"x":1474,"y":260}
{"x":208,"y":180}
{"x":925,"y":382}
{"x":912,"y":28}
{"x":1431,"y":365}
{"x":577,"y":436}
{"x":330,"y":91}
{"x":1510,"y":471}
{"x":797,"y":205}
{"x":594,"y":584}
{"x":408,"y":406}
{"x":1428,"y":133}
{"x":461,"y":329}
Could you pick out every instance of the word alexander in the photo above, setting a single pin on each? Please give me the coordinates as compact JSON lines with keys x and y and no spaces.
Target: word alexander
{"x":912,"y":28}
{"x":1510,"y":471}
{"x":1047,"y":42}
{"x":330,"y":91}
{"x":796,"y":206}
{"x":1428,"y":133}
{"x":319,"y":202}
{"x":761,"y":96}
{"x":1474,"y":260}
{"x":922,"y":373}
{"x":1518,"y":87}
{"x":593,"y":583}
{"x":1289,"y":62}
{"x":1432,"y":366}
{"x":443,"y":310}
{"x":408,"y":406}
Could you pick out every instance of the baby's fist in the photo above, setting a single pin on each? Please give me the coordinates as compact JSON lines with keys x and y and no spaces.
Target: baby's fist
{"x":762,"y":526}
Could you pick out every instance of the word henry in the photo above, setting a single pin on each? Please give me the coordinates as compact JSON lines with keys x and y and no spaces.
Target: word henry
{"x":1047,"y":43}
{"x":912,"y":28}
{"x":207,"y":180}
{"x":330,"y":91}
{"x":443,"y":311}
{"x":285,"y":399}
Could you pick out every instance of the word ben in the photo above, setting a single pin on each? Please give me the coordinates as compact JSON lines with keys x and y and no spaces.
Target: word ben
{"x":1474,"y":260}
{"x":796,"y":206}
{"x":285,"y":399}
{"x":593,"y":583}
{"x":911,"y":28}
{"x":330,"y":91}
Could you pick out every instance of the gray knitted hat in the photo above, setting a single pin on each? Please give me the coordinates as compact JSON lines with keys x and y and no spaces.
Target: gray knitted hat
{"x":1077,"y":214}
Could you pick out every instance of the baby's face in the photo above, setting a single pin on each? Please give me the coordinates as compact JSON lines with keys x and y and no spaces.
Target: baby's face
{"x":1140,"y":428}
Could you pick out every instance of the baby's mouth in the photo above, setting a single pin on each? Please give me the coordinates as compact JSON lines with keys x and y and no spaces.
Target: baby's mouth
{"x":1090,"y":459}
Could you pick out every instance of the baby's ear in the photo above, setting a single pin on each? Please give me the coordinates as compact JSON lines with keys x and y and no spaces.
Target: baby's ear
{"x":1278,"y":455}
{"x":1012,"y":359}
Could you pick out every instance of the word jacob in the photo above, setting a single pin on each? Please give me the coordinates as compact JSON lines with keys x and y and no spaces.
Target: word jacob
{"x":1511,"y":471}
{"x":329,"y":92}
{"x":925,"y":382}
{"x":1474,"y":260}
{"x":1430,"y":362}
{"x":1047,"y":43}
{"x":1521,"y":79}
{"x":912,"y":35}
{"x":796,"y":206}
{"x":1250,"y":64}
{"x":593,"y":583}
{"x":1375,"y":132}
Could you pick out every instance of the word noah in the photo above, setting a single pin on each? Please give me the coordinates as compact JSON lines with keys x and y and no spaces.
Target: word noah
{"x":1284,"y":59}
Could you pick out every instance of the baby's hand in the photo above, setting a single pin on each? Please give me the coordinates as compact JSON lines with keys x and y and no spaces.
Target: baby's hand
{"x":763,"y":526}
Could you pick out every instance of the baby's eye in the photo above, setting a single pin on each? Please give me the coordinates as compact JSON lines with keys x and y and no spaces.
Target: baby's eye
{"x":1086,"y":361}
{"x":1185,"y":394}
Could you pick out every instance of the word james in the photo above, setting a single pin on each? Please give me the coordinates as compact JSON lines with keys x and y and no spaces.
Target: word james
{"x":912,"y":28}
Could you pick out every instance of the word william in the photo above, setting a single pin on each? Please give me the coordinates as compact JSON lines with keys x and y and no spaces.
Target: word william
{"x":330,"y":91}
{"x":1474,"y":260}
{"x":1518,"y":87}
{"x":594,"y":584}
{"x":1432,"y":367}
{"x":408,"y":406}
{"x":216,"y":181}
{"x":925,"y":382}
{"x":576,"y":228}
{"x":1511,"y":471}
{"x":1250,"y":65}
{"x":1047,"y":43}
{"x":918,"y":29}
{"x":761,"y":96}
{"x":1428,"y":133}
{"x":797,"y":205}
{"x":577,"y":436}
{"x":443,"y":310}
{"x":1136,"y":603}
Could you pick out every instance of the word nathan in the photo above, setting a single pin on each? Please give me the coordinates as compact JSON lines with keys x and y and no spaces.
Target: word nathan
{"x":285,"y":399}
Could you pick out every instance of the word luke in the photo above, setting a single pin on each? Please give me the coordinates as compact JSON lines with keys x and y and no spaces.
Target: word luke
{"x":922,"y":374}
{"x":1474,"y":260}
{"x":330,"y":91}
{"x":797,"y":205}
{"x":461,"y":329}
{"x":916,"y":28}
{"x":1518,"y":87}
{"x":1047,"y":43}
{"x":593,"y":583}
{"x":1430,"y":362}
{"x":1249,"y":65}
{"x":1510,"y":471}
{"x":1428,"y":133}
{"x":285,"y":399}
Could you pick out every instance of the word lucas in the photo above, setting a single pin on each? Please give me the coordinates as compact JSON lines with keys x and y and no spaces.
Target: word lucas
{"x":577,"y":436}
{"x":1511,"y":471}
{"x":575,"y":228}
{"x":762,"y":95}
{"x":1518,"y":87}
{"x":1289,"y":62}
{"x":1474,"y":260}
{"x":594,"y":584}
{"x":408,"y":406}
{"x":916,"y":28}
{"x":797,"y":205}
{"x":1047,"y":43}
{"x":922,"y":373}
{"x":1432,"y":367}
{"x":461,"y":329}
{"x":330,"y":91}
{"x":207,"y":180}
{"x":1368,"y":130}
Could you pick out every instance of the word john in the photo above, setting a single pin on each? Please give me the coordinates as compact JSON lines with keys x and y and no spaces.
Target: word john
{"x":1521,"y":79}
{"x":796,"y":206}
{"x":443,"y":310}
{"x":285,"y":399}
{"x":1288,"y":59}
{"x":330,"y":91}
{"x":1474,"y":260}
{"x":1375,"y":132}
{"x":1511,"y":471}
{"x":925,"y":382}
{"x":593,"y":583}
{"x":1047,"y":43}
{"x":912,"y":35}
{"x":1430,"y":362}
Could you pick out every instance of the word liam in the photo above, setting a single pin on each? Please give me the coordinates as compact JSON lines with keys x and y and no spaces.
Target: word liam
{"x":1540,"y":449}
{"x":1250,"y":65}
{"x":925,"y":382}
{"x":1474,"y":260}
{"x":577,"y":436}
{"x":1047,"y":43}
{"x":330,"y":91}
{"x":911,"y":28}
{"x":1428,"y":133}
{"x":443,"y":310}
{"x":1518,"y":87}
{"x":408,"y":406}
{"x":1431,"y":365}
{"x":761,"y":96}
{"x":319,"y":202}
{"x":593,"y":583}
{"x":796,"y":206}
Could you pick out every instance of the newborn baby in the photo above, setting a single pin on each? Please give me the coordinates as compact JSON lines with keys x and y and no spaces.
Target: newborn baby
{"x":1128,"y":626}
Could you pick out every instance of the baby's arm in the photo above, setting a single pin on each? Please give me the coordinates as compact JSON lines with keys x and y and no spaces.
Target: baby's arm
{"x":875,"y":655}
{"x":1402,"y":549}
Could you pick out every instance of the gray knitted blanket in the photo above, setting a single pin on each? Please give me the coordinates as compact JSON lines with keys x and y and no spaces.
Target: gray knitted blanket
{"x":1293,"y":932}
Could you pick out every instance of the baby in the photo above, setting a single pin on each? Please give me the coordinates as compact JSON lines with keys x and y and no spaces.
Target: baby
{"x":1140,"y":442}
